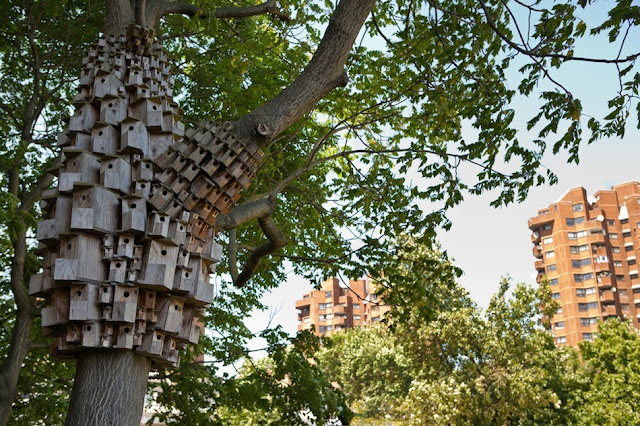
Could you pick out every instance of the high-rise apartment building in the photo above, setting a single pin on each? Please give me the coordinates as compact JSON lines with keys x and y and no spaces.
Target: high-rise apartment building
{"x":587,"y":246}
{"x":334,"y":308}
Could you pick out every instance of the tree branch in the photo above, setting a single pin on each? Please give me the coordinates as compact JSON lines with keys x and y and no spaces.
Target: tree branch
{"x":155,"y":10}
{"x":252,"y":209}
{"x":233,"y":251}
{"x":324,"y":73}
{"x":276,"y":240}
{"x":268,"y":7}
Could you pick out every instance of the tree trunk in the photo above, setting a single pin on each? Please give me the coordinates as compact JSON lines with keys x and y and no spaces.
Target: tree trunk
{"x":109,"y":389}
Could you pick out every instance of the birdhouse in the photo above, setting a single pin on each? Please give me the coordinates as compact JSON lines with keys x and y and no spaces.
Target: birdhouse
{"x":147,"y":299}
{"x":190,"y":201}
{"x":232,"y":189}
{"x":198,"y":155}
{"x":83,"y":118}
{"x":141,"y":91}
{"x":222,"y":178}
{"x":58,"y":312}
{"x":91,"y":335}
{"x":152,"y":343}
{"x":223,"y":204}
{"x":200,"y":228}
{"x":63,"y":139}
{"x":47,"y":231}
{"x":161,"y":197}
{"x":190,"y":172}
{"x":81,"y":141}
{"x":113,"y":110}
{"x":143,"y":170}
{"x":107,"y":85}
{"x":117,"y":271}
{"x":125,"y":302}
{"x":125,"y":337}
{"x":179,"y":162}
{"x":183,"y":259}
{"x":169,"y":314}
{"x":202,"y":186}
{"x":105,"y":294}
{"x":158,"y":266}
{"x":83,"y":303}
{"x":73,"y":333}
{"x":203,"y":293}
{"x":134,"y":215}
{"x":82,"y":163}
{"x":142,"y":188}
{"x":138,"y":251}
{"x":95,"y":209}
{"x":213,"y":250}
{"x":183,"y":281}
{"x":210,"y":166}
{"x":175,"y":183}
{"x":170,"y":352}
{"x":80,"y":259}
{"x":158,"y":143}
{"x":125,"y":246}
{"x":115,"y":173}
{"x":107,"y":247}
{"x":198,"y":267}
{"x":158,"y":225}
{"x":149,"y":111}
{"x":177,"y":233}
{"x":133,"y":78}
{"x":104,"y":139}
{"x":134,"y":137}
{"x":106,"y":336}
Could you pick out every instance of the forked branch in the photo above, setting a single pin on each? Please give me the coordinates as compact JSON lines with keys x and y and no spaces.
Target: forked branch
{"x":268,"y":7}
{"x":275,"y":241}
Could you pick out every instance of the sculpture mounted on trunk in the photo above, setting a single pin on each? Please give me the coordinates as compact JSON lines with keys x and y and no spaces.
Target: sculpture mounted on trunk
{"x":128,"y":236}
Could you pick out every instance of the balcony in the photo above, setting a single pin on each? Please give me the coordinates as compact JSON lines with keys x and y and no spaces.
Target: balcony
{"x":539,"y":265}
{"x":537,"y":252}
{"x":604,"y":281}
{"x":597,"y":238}
{"x":623,"y":298}
{"x":535,"y":237}
{"x":609,"y":310}
{"x":341,"y":320}
{"x":543,"y":218}
{"x":607,"y":297}
{"x":337,"y":310}
{"x":303,"y":303}
{"x":602,"y":267}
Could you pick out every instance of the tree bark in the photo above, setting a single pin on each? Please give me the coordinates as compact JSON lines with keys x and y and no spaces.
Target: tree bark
{"x":109,"y":389}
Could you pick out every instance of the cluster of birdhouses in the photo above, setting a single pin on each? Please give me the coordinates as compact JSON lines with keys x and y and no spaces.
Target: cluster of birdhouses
{"x":128,"y":237}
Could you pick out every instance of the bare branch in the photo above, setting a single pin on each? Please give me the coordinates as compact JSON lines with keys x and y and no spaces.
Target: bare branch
{"x":157,"y":9}
{"x":276,"y":240}
{"x":233,"y":251}
{"x":268,"y":7}
{"x":324,"y":73}
{"x":252,"y":209}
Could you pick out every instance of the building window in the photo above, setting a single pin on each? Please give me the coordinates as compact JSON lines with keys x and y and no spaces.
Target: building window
{"x":324,"y":305}
{"x":585,"y":322}
{"x":550,"y":254}
{"x":375,"y":319}
{"x":356,"y":306}
{"x":329,"y":316}
{"x":578,"y":249}
{"x":587,"y":336}
{"x":553,"y":281}
{"x":611,"y":222}
{"x":555,"y":296}
{"x":581,"y":292}
{"x":631,"y":262}
{"x":617,"y":263}
{"x":356,"y":317}
{"x":570,"y":221}
{"x":619,"y":277}
{"x":624,"y":221}
{"x":622,"y":292}
{"x":586,"y":306}
{"x":579,"y":220}
{"x":624,"y":306}
{"x":572,"y":236}
{"x":373,"y":296}
{"x":548,"y":227}
{"x":579,"y":263}
{"x":560,"y":324}
{"x":582,"y":277}
{"x":561,"y":339}
{"x":327,"y":294}
{"x":551,"y":268}
{"x":306,"y":320}
{"x":615,"y":249}
{"x":577,"y":207}
{"x":547,"y":240}
{"x":633,"y":276}
{"x":628,"y":248}
{"x":559,"y":311}
{"x":626,"y":234}
{"x":638,"y":224}
{"x":322,"y":329}
{"x":613,"y":236}
{"x":636,"y":291}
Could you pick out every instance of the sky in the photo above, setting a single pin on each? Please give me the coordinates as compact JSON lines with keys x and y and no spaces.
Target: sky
{"x":488,"y":243}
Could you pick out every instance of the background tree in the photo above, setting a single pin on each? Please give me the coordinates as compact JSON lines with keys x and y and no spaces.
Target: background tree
{"x":343,"y":169}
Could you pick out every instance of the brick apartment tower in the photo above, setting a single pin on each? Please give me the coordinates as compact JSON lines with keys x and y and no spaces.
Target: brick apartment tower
{"x":334,"y":308}
{"x":587,"y":247}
